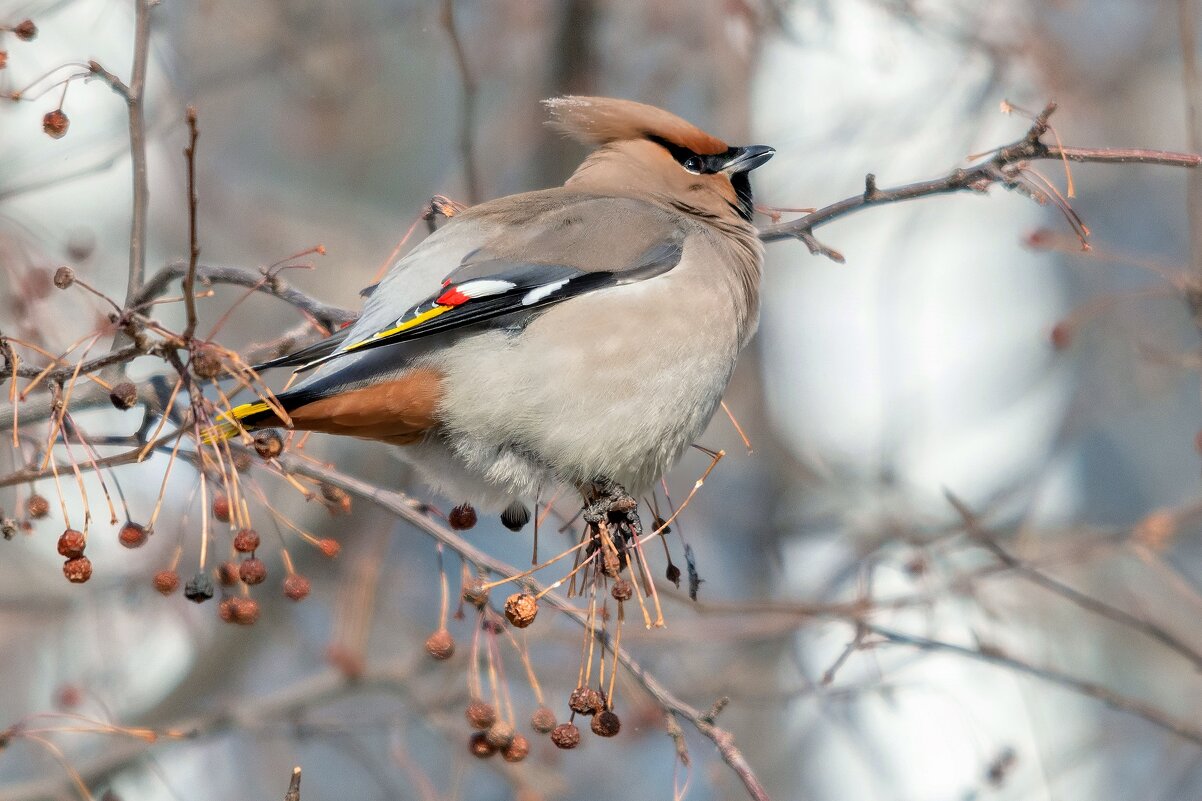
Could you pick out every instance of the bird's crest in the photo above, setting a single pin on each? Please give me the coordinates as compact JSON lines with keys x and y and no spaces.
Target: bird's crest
{"x":600,"y":120}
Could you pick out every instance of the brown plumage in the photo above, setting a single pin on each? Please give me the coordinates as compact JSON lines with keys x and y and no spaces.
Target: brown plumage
{"x":601,"y":120}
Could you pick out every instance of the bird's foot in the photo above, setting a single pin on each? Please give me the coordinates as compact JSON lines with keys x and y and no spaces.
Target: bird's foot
{"x":608,"y":502}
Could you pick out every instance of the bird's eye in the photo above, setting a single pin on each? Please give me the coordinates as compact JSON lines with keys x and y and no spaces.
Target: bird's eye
{"x":693,"y":164}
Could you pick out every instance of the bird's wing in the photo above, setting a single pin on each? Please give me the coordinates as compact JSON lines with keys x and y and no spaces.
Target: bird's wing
{"x":539,"y":251}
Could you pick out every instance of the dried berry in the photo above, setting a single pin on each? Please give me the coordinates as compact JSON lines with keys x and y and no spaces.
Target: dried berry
{"x":71,"y":544}
{"x":227,"y":574}
{"x":246,"y":541}
{"x":462,"y":517}
{"x":252,"y":570}
{"x":268,"y":444}
{"x":480,"y":715}
{"x":296,"y":587}
{"x":605,"y":724}
{"x":3,"y":59}
{"x":8,"y":527}
{"x":64,"y":277}
{"x":199,"y":588}
{"x":339,"y":500}
{"x":124,"y":395}
{"x":520,"y":609}
{"x":475,"y":594}
{"x":221,"y":508}
{"x":225,"y":609}
{"x":78,"y":570}
{"x":566,"y":736}
{"x":133,"y":535}
{"x":81,"y":244}
{"x":241,"y":461}
{"x":622,"y":590}
{"x":245,"y":611}
{"x":55,"y":125}
{"x":206,"y":362}
{"x":37,"y":507}
{"x":440,"y":644}
{"x":500,"y":734}
{"x":585,"y":701}
{"x":673,"y":574}
{"x":517,"y":749}
{"x":543,"y":720}
{"x":1061,"y":336}
{"x":166,"y":581}
{"x":479,"y":745}
{"x":26,"y":31}
{"x":329,"y":547}
{"x":69,"y":696}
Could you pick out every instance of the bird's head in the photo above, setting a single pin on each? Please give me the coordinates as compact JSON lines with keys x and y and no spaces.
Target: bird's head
{"x":644,"y":150}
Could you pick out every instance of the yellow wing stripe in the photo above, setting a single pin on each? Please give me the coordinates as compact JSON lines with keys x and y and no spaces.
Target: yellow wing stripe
{"x":429,"y":314}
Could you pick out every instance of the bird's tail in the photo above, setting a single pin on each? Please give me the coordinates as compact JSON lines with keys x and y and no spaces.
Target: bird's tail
{"x":247,"y":416}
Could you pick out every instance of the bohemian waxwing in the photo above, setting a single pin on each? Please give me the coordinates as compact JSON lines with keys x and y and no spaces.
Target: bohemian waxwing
{"x":579,"y":336}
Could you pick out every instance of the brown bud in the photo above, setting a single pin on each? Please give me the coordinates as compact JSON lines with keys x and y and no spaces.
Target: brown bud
{"x":37,"y":507}
{"x":124,"y":395}
{"x":566,"y":736}
{"x":268,"y":444}
{"x":499,"y":734}
{"x":440,"y":645}
{"x":521,"y":609}
{"x":133,"y":535}
{"x":475,"y":594}
{"x":252,"y":570}
{"x":606,"y":724}
{"x":246,"y":541}
{"x":543,"y":720}
{"x":585,"y":701}
{"x":517,"y":749}
{"x":479,"y":745}
{"x":166,"y":581}
{"x":622,"y":590}
{"x":246,"y":611}
{"x":71,"y":544}
{"x":462,"y":517}
{"x":296,"y":587}
{"x":78,"y":570}
{"x":55,"y":124}
{"x":64,"y":277}
{"x":26,"y":31}
{"x":329,"y":547}
{"x":480,"y":715}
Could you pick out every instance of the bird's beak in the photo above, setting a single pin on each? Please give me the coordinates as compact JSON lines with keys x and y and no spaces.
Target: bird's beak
{"x":748,"y":158}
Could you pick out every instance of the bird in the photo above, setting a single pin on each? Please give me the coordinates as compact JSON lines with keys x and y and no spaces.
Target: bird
{"x":576,"y":337}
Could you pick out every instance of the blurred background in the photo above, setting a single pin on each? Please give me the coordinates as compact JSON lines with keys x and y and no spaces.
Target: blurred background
{"x":871,"y":644}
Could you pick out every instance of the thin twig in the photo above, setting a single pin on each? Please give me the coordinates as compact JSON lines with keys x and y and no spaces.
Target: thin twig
{"x":467,"y":122}
{"x":193,"y":241}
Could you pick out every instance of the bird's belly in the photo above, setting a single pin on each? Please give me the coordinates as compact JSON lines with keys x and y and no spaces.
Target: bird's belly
{"x":616,"y":386}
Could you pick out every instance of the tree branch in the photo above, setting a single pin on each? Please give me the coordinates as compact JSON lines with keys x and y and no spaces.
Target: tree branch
{"x":1004,"y":167}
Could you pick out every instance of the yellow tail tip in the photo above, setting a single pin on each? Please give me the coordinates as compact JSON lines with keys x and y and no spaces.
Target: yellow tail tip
{"x":229,"y":423}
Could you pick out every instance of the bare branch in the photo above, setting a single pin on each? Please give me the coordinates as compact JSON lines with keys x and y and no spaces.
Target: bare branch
{"x":1004,"y":167}
{"x":193,"y":242}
